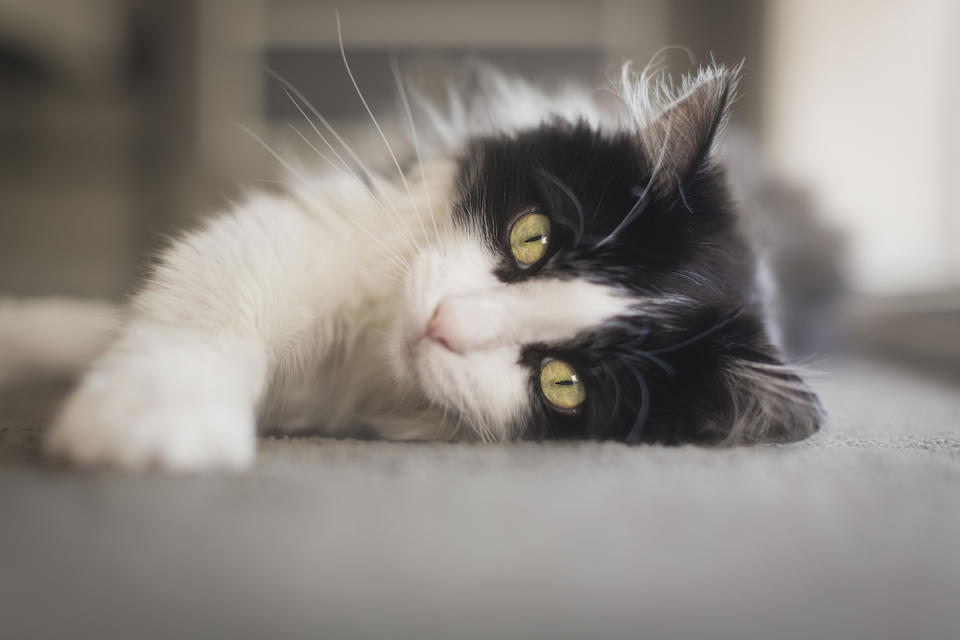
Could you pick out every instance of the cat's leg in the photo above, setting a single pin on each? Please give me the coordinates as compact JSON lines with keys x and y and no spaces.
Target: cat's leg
{"x":173,"y":398}
{"x":179,"y":388}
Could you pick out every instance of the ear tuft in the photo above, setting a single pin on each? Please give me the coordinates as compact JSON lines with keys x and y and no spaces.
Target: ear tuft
{"x":679,"y":126}
{"x":769,"y":402}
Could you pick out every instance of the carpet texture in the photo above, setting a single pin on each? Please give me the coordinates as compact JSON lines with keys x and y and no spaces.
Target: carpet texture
{"x":854,"y":533}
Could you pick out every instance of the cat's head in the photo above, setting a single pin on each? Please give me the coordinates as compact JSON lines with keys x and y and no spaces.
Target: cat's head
{"x":595,"y":284}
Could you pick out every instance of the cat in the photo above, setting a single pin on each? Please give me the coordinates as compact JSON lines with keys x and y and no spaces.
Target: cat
{"x":538,"y":269}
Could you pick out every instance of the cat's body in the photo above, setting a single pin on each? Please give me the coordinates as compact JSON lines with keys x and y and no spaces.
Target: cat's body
{"x":537,"y":272}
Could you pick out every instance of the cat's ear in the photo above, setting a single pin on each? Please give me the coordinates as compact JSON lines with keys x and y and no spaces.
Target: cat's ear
{"x":769,"y":402}
{"x":728,"y":384}
{"x":679,"y":127}
{"x":756,"y":397}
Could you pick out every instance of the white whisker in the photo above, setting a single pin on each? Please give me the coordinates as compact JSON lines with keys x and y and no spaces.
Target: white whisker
{"x":381,"y":272}
{"x":396,"y":221}
{"x":347,"y":171}
{"x":399,"y":261}
{"x":642,"y":198}
{"x":371,"y":176}
{"x":394,"y":66}
{"x":393,"y":156}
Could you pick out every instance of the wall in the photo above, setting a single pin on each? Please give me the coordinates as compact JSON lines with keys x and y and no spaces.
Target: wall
{"x":859,"y":101}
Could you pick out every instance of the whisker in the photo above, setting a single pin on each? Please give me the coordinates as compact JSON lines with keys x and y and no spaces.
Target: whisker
{"x":371,"y":176}
{"x":393,"y":156}
{"x":799,"y":367}
{"x":399,"y":262}
{"x":394,"y":66}
{"x":458,"y":425}
{"x":638,"y":208}
{"x":381,"y":272}
{"x":691,"y":277}
{"x":683,"y":194}
{"x":603,"y":196}
{"x":801,"y":397}
{"x":616,"y":399}
{"x":642,"y":199}
{"x":769,"y":381}
{"x":699,"y":336}
{"x":640,"y":422}
{"x":285,"y":183}
{"x":573,"y":198}
{"x":318,"y":152}
{"x":288,"y":88}
{"x":344,"y":172}
{"x":667,"y":368}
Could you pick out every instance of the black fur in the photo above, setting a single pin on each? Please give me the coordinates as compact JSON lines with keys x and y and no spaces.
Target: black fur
{"x":670,"y":373}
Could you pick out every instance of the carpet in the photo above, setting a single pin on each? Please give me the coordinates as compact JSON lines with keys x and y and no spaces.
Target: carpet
{"x":854,"y":533}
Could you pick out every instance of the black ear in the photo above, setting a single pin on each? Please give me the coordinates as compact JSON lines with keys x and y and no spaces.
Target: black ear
{"x":724,"y":383}
{"x":679,"y":128}
{"x":756,"y":397}
{"x":769,"y":402}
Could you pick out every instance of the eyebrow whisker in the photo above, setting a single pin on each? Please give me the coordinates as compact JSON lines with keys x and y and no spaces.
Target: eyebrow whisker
{"x":633,"y":437}
{"x":567,"y":191}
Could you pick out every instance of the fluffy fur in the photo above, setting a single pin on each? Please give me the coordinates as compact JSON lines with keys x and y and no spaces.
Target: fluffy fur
{"x":364,"y":303}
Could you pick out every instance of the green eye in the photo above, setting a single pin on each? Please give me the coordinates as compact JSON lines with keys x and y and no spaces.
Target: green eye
{"x":561,"y":386}
{"x":529,"y":238}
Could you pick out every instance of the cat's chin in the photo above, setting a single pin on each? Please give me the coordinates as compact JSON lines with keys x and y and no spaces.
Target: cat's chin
{"x":485,"y":388}
{"x":431,"y":364}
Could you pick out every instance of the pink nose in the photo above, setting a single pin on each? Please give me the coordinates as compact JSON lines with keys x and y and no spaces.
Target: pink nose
{"x":443,"y":327}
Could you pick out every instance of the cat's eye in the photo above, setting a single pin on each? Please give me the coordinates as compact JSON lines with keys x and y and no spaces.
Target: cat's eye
{"x":529,"y":238}
{"x":561,"y":385}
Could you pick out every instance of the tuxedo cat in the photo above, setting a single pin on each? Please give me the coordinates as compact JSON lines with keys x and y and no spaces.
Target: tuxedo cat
{"x":538,"y":269}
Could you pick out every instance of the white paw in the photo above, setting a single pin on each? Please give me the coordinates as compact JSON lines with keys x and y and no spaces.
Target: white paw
{"x":135,"y":423}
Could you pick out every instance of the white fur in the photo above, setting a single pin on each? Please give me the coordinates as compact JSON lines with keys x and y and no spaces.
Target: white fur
{"x":280,"y":293}
{"x":507,"y":104}
{"x":310,"y":311}
{"x":170,"y":397}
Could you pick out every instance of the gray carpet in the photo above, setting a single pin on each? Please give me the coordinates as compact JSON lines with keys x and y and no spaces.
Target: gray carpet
{"x":852,"y":534}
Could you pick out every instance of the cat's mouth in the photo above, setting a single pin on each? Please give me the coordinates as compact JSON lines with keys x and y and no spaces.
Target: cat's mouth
{"x":486,"y":388}
{"x":432,"y":340}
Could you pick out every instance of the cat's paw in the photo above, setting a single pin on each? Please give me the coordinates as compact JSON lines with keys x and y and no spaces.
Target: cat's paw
{"x":117,"y":422}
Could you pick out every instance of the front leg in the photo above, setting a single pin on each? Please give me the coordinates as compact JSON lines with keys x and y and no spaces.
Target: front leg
{"x":179,"y":389}
{"x":165,"y":397}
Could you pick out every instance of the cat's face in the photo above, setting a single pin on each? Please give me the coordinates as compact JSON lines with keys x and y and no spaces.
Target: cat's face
{"x":595,"y":285}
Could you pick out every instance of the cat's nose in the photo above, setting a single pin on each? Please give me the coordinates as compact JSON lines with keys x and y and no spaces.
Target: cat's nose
{"x":466,"y":323}
{"x":442,"y":328}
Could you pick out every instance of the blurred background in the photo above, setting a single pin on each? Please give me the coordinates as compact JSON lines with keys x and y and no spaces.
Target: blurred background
{"x":118,"y":128}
